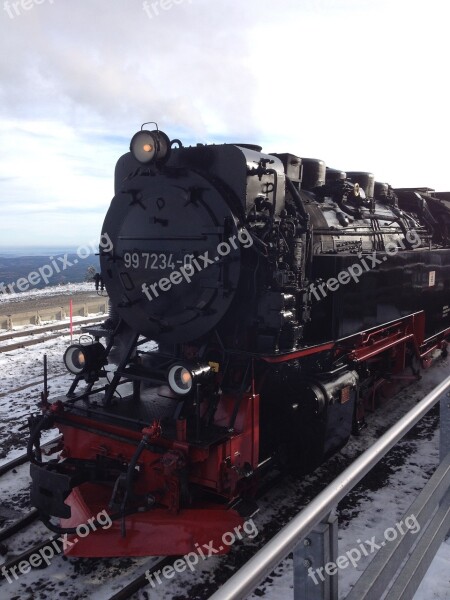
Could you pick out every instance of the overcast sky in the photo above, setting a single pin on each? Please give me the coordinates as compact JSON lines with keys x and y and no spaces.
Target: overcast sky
{"x":361,"y":84}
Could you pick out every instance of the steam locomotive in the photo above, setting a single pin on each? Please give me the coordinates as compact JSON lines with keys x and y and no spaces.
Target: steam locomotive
{"x":260,"y":305}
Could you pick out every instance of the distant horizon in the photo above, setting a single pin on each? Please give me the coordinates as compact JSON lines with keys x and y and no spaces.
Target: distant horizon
{"x":20,"y":251}
{"x":36,"y":246}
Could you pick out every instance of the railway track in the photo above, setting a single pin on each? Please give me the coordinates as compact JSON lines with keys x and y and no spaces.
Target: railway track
{"x":23,"y":458}
{"x":141,"y":580}
{"x":29,"y":518}
{"x":29,"y":385}
{"x":39,"y":330}
{"x":19,"y":525}
{"x":9,"y":568}
{"x":12,"y":564}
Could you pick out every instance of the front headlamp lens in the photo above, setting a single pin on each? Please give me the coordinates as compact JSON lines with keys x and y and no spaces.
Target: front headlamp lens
{"x":80,"y":358}
{"x":180,"y":380}
{"x":150,"y":146}
{"x":182,"y":377}
{"x":75,"y":360}
{"x":143,"y":146}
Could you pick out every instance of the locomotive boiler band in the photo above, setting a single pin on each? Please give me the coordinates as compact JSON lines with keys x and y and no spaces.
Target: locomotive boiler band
{"x":283,"y":297}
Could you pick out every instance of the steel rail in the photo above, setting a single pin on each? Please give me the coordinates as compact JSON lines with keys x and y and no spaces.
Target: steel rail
{"x":16,"y":345}
{"x":20,"y":524}
{"x":55,"y":327}
{"x":136,"y":584}
{"x":23,"y":458}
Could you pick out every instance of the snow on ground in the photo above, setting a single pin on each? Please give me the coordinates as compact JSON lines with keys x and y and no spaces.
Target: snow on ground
{"x":57,"y":290}
{"x":21,"y":367}
{"x":24,"y":367}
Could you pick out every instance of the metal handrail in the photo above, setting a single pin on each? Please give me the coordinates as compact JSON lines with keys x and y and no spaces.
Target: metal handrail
{"x":240,"y":585}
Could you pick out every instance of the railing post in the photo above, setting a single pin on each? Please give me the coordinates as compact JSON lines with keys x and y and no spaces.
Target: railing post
{"x":311,"y":557}
{"x":444,"y":416}
{"x":444,"y":425}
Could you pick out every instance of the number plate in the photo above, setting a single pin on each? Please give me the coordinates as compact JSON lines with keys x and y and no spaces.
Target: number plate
{"x":155,"y":260}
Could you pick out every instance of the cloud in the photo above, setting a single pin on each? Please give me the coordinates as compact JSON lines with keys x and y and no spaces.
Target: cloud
{"x":356,"y":82}
{"x":101,"y":61}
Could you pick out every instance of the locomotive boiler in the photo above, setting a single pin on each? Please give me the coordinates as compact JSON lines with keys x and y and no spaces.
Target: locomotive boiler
{"x":259,"y":305}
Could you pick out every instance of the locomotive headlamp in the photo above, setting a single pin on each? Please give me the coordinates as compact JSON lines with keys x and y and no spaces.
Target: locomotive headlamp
{"x":181,"y":377}
{"x":80,"y":358}
{"x":150,"y":146}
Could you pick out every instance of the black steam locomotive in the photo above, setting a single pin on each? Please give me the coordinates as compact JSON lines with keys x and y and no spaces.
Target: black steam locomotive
{"x":284,"y":298}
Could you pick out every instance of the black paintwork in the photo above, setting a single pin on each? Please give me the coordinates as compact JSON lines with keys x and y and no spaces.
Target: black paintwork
{"x":400,"y":286}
